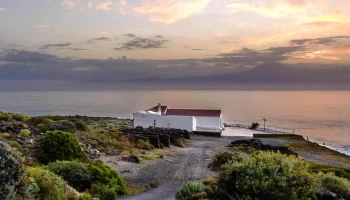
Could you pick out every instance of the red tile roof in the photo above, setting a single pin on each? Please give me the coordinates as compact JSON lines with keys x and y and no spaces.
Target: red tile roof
{"x":194,"y":112}
{"x":155,"y":109}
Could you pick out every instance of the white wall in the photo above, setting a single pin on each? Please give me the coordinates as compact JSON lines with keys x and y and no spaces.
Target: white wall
{"x":208,"y":122}
{"x":165,"y":121}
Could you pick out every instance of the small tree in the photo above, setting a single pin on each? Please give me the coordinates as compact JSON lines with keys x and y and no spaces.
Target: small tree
{"x":11,"y":171}
{"x":254,"y":125}
{"x":59,"y":145}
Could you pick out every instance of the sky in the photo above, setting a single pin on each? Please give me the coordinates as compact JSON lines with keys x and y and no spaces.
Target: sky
{"x":123,"y":39}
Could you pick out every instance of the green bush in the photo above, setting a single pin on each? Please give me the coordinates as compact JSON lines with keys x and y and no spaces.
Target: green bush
{"x":103,"y":174}
{"x":338,"y":185}
{"x":62,"y":125}
{"x":14,"y":144}
{"x":80,"y":125}
{"x":5,"y":117}
{"x":38,"y":120}
{"x":59,"y":145}
{"x":24,"y":133}
{"x":103,"y":192}
{"x":338,"y":171}
{"x":223,"y":158}
{"x":51,"y":186}
{"x":267,"y":175}
{"x":191,"y":190}
{"x":43,"y":127}
{"x":11,"y":171}
{"x":78,"y":175}
{"x":17,"y":116}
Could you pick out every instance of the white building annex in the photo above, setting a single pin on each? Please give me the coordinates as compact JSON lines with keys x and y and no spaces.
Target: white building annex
{"x":188,"y":119}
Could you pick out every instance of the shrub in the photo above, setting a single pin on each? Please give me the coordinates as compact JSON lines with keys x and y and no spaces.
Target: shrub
{"x":62,"y":125}
{"x":51,"y":186}
{"x":14,"y":144}
{"x":17,"y":116}
{"x":190,"y":191}
{"x":103,"y":174}
{"x":179,"y":143}
{"x":11,"y":171}
{"x":38,"y":120}
{"x":267,"y":175}
{"x":223,"y":158}
{"x":5,"y":117}
{"x":104,"y":192}
{"x":254,"y":125}
{"x":338,"y":171}
{"x":43,"y":127}
{"x":338,"y":185}
{"x":141,"y":144}
{"x":59,"y":145}
{"x":78,"y":175}
{"x":24,"y":133}
{"x":80,"y":125}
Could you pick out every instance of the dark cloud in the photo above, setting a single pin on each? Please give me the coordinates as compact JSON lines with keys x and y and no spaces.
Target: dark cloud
{"x":99,"y":39}
{"x":159,"y":36}
{"x":142,"y":43}
{"x":77,"y":49}
{"x":199,"y":49}
{"x":55,"y":45}
{"x":18,"y":56}
{"x":130,"y":35}
{"x":320,"y":41}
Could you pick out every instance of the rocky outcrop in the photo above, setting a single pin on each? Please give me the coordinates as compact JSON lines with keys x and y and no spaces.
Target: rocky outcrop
{"x":257,"y":144}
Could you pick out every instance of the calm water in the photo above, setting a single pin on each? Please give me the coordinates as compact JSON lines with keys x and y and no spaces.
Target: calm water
{"x":323,"y":116}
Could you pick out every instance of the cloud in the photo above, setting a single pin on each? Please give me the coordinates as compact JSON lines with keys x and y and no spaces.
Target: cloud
{"x":90,"y":4}
{"x":55,"y":45}
{"x":130,"y":35}
{"x":20,"y":56}
{"x":43,"y":26}
{"x":104,"y":32}
{"x":2,"y":9}
{"x":84,"y":69}
{"x":171,"y":11}
{"x":272,"y":8}
{"x":68,"y":4}
{"x":199,"y":49}
{"x":141,"y":43}
{"x":321,"y":41}
{"x":99,"y":39}
{"x":77,"y":49}
{"x":158,"y":36}
{"x":104,"y":6}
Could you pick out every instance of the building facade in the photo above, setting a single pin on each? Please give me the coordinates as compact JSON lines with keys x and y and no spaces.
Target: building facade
{"x":187,"y":119}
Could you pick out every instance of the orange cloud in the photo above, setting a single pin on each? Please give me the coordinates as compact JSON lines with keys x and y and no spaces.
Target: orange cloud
{"x":43,"y":26}
{"x":171,"y":11}
{"x":2,"y":9}
{"x":273,"y":8}
{"x":329,"y":54}
{"x":104,"y":6}
{"x":68,"y":4}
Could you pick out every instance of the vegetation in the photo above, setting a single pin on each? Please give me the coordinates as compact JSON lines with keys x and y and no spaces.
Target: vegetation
{"x":17,"y":116}
{"x":5,"y":117}
{"x":11,"y":171}
{"x":141,"y":144}
{"x":338,"y":171}
{"x":223,"y":158}
{"x":268,"y":175}
{"x":62,"y":125}
{"x":48,"y":185}
{"x":80,"y":125}
{"x":78,"y":175}
{"x":179,"y":143}
{"x":24,"y":133}
{"x":190,"y":190}
{"x":254,"y":125}
{"x":59,"y":145}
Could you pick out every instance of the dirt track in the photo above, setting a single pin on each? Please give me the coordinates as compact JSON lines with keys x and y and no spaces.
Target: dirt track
{"x":179,"y":165}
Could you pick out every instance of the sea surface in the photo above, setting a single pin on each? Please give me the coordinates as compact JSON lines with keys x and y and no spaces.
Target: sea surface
{"x":322,"y":116}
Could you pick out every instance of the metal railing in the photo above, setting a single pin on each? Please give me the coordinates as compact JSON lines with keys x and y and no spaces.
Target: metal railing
{"x":266,"y":129}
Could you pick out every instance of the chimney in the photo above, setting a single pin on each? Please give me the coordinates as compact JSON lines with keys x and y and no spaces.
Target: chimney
{"x":159,"y":109}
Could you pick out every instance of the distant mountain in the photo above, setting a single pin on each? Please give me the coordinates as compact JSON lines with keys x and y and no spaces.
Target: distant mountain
{"x":266,"y":73}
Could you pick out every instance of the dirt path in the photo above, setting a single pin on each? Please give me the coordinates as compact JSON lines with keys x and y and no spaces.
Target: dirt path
{"x":179,"y":165}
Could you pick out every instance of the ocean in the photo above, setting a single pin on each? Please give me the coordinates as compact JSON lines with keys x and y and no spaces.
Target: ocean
{"x":322,"y":116}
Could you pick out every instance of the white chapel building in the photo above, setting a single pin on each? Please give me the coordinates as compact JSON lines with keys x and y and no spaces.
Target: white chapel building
{"x":186,"y":119}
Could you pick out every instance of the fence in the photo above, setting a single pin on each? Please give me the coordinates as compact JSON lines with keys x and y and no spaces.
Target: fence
{"x":266,"y":129}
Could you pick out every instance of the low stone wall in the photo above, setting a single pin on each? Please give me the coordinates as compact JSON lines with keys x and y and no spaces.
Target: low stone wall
{"x":257,"y":144}
{"x":209,"y":134}
{"x":257,"y":135}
